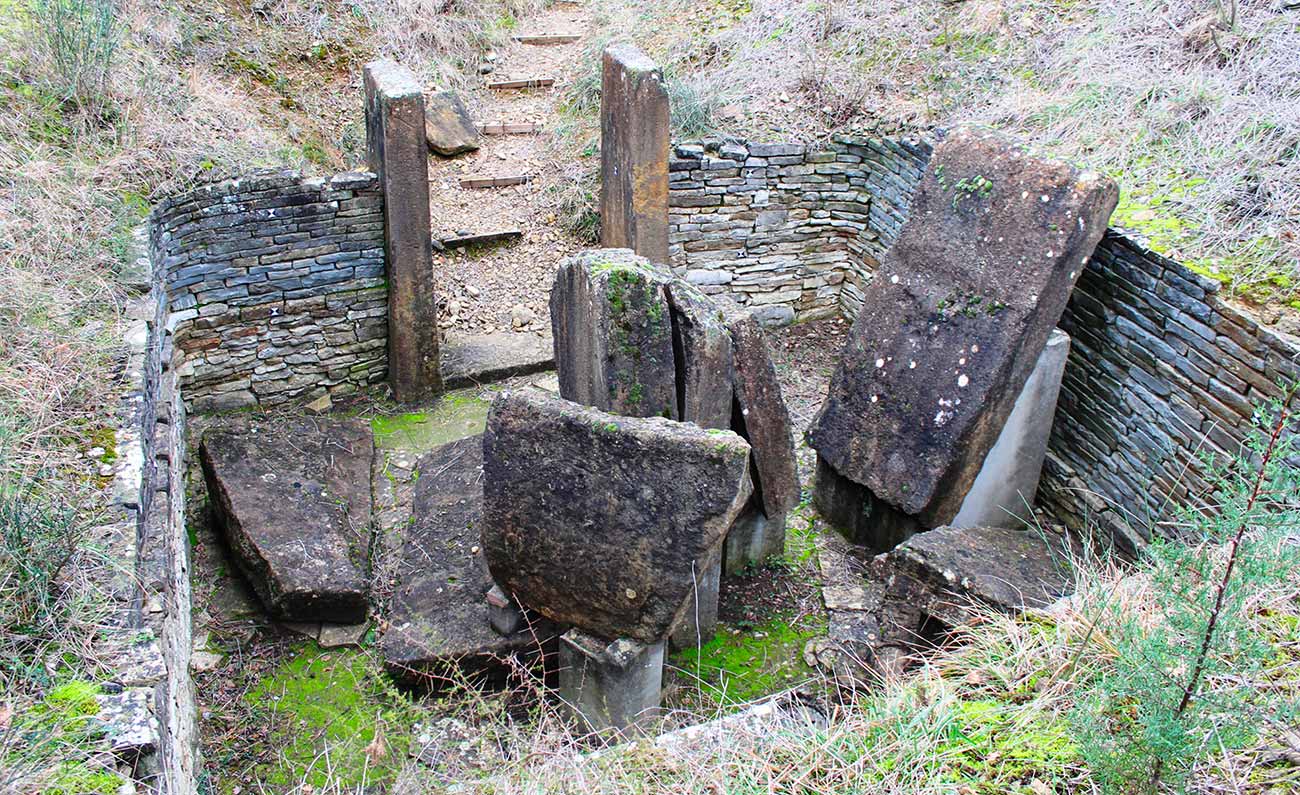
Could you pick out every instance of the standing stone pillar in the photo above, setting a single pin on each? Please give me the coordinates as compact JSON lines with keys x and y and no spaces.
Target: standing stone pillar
{"x":611,"y":685}
{"x":634,"y":137}
{"x":399,"y":156}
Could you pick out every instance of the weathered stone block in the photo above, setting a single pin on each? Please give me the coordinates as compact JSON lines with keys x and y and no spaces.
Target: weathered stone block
{"x":611,"y":685}
{"x":447,"y":125}
{"x":634,"y":134}
{"x":955,"y":319}
{"x":293,"y":500}
{"x":601,"y":521}
{"x":613,"y":334}
{"x":399,"y":156}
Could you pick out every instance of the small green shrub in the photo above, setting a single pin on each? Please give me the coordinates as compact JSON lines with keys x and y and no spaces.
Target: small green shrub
{"x":1181,"y":684}
{"x":77,"y":39}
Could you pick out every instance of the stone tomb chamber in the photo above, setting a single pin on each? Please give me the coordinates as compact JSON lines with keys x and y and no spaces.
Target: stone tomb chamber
{"x":596,"y":511}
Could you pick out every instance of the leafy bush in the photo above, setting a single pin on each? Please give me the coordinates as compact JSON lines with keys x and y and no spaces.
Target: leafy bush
{"x":77,"y":39}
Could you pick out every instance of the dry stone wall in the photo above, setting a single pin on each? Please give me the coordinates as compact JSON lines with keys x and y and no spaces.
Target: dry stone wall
{"x":1162,"y":368}
{"x":275,"y":286}
{"x":790,"y":232}
{"x":1162,"y":371}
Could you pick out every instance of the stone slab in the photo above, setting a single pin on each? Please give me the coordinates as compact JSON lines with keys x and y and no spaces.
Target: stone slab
{"x":292,"y":498}
{"x":613,"y":332}
{"x":702,"y":356}
{"x":472,"y":359}
{"x":955,"y":319}
{"x":601,"y":521}
{"x":448,"y":127}
{"x":439,"y":621}
{"x":399,"y":155}
{"x":1003,"y":492}
{"x":634,"y":136}
{"x":764,"y":420}
{"x":939,"y":574}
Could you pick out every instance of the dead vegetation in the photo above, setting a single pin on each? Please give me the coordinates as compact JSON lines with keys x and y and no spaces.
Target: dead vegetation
{"x":1193,"y":105}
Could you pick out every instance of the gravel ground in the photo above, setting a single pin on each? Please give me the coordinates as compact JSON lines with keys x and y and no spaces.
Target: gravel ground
{"x":506,"y":286}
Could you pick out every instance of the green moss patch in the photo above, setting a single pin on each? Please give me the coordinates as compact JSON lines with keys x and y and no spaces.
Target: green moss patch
{"x":337,"y":719}
{"x":742,"y":664}
{"x":456,"y":415}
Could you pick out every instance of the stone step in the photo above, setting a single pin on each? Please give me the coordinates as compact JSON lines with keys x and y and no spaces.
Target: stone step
{"x":543,"y":39}
{"x":495,"y":182}
{"x":461,"y":241}
{"x":470,"y":359}
{"x":518,"y":128}
{"x":521,"y":82}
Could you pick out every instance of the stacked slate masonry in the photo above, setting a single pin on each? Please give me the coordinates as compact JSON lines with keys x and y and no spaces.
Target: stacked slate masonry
{"x":1162,"y":368}
{"x":791,"y":232}
{"x":275,"y":286}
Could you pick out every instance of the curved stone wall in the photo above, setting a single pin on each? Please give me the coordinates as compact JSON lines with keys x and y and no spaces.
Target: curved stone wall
{"x":1162,"y":370}
{"x":275,"y":286}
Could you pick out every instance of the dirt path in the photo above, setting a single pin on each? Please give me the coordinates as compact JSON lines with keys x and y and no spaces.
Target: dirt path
{"x":490,"y":288}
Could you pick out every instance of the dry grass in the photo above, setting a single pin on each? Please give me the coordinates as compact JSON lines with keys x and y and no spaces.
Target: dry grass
{"x":194,"y":93}
{"x":1194,"y":105}
{"x":991,"y":714}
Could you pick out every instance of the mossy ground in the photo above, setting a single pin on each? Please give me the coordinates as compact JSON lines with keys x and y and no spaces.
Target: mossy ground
{"x":335,"y":717}
{"x":758,"y":648}
{"x":454,"y":416}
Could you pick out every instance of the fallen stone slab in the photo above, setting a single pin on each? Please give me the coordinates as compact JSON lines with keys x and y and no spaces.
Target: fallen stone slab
{"x":605,"y":522}
{"x":613,"y":333}
{"x":473,"y":359}
{"x":941,"y":579}
{"x":955,"y":318}
{"x":292,"y":497}
{"x":438,"y":625}
{"x":447,"y":125}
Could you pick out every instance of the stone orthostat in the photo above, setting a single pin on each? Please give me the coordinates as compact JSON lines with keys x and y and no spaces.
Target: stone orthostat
{"x":955,"y":319}
{"x":605,"y":522}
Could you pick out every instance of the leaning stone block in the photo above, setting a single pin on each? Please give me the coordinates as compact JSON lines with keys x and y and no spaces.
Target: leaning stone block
{"x":293,"y":500}
{"x":601,"y":521}
{"x":1003,"y":492}
{"x":955,"y":319}
{"x":702,"y":351}
{"x":764,"y":419}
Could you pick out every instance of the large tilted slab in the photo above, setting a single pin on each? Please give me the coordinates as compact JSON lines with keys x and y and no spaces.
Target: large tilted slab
{"x":955,"y":318}
{"x":438,"y":619}
{"x":763,"y":417}
{"x":293,"y":499}
{"x":601,"y":521}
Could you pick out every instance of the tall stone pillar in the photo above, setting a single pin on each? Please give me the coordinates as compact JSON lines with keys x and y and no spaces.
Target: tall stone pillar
{"x":634,"y":137}
{"x":399,"y":155}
